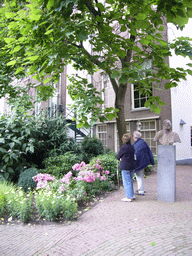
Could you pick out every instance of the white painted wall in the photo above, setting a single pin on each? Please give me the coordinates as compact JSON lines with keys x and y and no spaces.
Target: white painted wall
{"x":181,"y":98}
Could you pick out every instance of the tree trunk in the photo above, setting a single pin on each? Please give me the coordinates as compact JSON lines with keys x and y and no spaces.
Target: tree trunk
{"x":119,"y":104}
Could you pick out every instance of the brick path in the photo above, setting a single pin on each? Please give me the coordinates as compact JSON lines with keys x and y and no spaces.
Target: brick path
{"x":112,"y":227}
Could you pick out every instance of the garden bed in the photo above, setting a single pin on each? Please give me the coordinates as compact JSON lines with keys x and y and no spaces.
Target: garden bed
{"x":36,"y":220}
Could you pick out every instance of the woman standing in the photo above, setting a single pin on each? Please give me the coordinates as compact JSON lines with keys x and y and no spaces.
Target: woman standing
{"x":127,"y":166}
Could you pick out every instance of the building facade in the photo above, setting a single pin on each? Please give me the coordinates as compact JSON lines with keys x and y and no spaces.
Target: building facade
{"x":181,"y":100}
{"x":137,"y":116}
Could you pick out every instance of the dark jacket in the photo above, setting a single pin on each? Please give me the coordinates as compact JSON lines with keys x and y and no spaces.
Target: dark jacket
{"x":126,"y":154}
{"x":143,"y":153}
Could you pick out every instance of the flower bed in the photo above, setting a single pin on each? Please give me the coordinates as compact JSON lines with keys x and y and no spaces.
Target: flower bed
{"x":56,"y":199}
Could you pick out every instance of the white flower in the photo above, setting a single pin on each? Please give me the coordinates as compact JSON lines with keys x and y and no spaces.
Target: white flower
{"x":10,"y":219}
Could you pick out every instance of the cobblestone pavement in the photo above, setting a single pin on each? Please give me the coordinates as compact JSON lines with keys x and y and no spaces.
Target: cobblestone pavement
{"x":112,"y":227}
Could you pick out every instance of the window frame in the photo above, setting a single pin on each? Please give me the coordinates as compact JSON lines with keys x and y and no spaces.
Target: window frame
{"x":98,"y":133}
{"x":146,"y":65}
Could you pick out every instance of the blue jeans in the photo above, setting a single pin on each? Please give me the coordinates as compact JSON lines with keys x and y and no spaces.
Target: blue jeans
{"x":127,"y":177}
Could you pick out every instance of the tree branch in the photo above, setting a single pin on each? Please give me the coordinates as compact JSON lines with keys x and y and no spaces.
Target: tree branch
{"x":91,"y":8}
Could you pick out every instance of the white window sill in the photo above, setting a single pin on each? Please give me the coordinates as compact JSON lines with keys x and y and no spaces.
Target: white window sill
{"x":139,"y":109}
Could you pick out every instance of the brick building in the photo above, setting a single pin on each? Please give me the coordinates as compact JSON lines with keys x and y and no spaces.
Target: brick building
{"x":136,"y":115}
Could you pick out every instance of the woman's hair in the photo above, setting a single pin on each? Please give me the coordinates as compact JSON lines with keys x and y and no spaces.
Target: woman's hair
{"x":126,"y":138}
{"x":137,"y":134}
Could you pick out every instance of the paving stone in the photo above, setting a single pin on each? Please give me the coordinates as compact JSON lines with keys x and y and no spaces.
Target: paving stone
{"x":112,"y":227}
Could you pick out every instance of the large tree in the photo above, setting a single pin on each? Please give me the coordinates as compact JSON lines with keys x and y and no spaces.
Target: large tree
{"x":40,"y":37}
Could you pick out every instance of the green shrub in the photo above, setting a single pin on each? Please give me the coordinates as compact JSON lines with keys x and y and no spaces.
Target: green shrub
{"x":27,"y":140}
{"x":59,"y":165}
{"x":108,"y":162}
{"x":91,"y":147}
{"x":25,"y":179}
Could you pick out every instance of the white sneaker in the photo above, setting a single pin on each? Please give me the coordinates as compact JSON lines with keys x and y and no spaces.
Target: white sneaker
{"x":126,"y":199}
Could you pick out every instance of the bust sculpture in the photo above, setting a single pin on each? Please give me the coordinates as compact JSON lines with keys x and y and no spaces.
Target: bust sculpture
{"x":166,"y":136}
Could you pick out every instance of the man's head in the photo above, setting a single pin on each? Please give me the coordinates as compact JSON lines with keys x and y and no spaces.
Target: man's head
{"x":136,"y":135}
{"x":166,"y":124}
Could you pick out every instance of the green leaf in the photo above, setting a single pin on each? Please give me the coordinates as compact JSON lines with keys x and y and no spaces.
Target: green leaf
{"x":110,"y":116}
{"x":12,"y":144}
{"x":11,"y":63}
{"x":49,"y":32}
{"x":189,"y":71}
{"x":35,"y":17}
{"x":19,"y":70}
{"x":115,"y":74}
{"x":189,"y":12}
{"x":123,"y":28}
{"x":50,"y":4}
{"x":16,"y":49}
{"x":2,"y":140}
{"x":3,"y":150}
{"x":9,"y":15}
{"x":141,"y":16}
{"x":147,"y":104}
{"x":10,"y":170}
{"x":100,"y":6}
{"x":47,"y":80}
{"x":32,"y":58}
{"x":170,"y":85}
{"x":133,"y":11}
{"x":136,"y":48}
{"x":154,"y":108}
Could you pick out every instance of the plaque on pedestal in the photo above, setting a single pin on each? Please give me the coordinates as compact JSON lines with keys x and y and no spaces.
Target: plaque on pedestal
{"x":166,"y":173}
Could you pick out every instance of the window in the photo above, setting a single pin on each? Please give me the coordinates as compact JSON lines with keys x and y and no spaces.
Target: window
{"x":53,"y":101}
{"x":138,"y":97}
{"x":102,"y":134}
{"x":148,"y":130}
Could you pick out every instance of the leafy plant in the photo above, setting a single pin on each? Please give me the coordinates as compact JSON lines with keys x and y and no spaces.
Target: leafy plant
{"x":60,"y":165}
{"x":25,"y":179}
{"x":108,"y":162}
{"x":51,"y":205}
{"x":25,"y":141}
{"x":91,"y":147}
{"x":14,"y":202}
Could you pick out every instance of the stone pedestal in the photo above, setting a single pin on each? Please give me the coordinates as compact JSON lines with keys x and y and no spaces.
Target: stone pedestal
{"x":166,"y":173}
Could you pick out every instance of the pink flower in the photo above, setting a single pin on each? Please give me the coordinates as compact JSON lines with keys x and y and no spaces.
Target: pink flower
{"x":107,"y":172}
{"x":78,"y":167}
{"x":61,"y":188}
{"x":98,"y":174}
{"x":103,"y":178}
{"x":66,"y":178}
{"x":98,"y":166}
{"x":42,"y":179}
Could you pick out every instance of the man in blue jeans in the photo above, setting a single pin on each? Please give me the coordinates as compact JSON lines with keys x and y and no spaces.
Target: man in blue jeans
{"x":144,"y":157}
